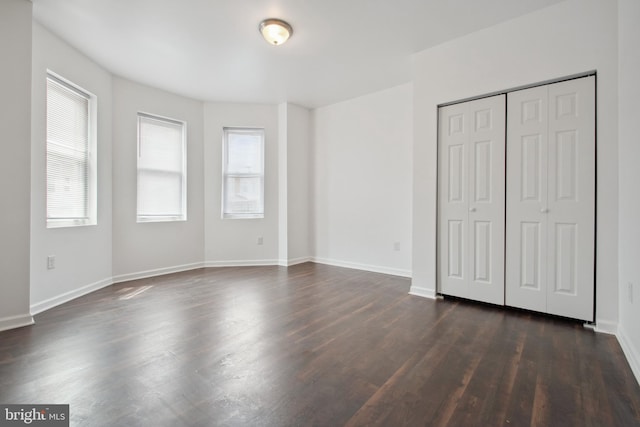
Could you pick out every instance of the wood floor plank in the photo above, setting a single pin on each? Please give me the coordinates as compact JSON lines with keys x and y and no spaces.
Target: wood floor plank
{"x":310,"y":345}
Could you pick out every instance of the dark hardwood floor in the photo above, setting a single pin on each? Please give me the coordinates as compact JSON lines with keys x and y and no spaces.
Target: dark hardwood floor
{"x":310,"y":345}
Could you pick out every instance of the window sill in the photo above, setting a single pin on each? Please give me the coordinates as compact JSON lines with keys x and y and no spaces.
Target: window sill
{"x":66,"y":223}
{"x":242,"y":216}
{"x":140,"y":220}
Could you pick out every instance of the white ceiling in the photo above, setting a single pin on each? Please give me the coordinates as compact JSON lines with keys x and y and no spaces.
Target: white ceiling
{"x":212,"y":50}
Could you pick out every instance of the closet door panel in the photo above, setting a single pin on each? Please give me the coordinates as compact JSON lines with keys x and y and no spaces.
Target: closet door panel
{"x":526,"y":225}
{"x":486,"y":201}
{"x":453,"y":200}
{"x":571,"y":198}
{"x":471,"y":200}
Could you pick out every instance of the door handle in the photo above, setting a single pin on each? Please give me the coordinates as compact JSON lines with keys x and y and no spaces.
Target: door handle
{"x":544,"y":210}
{"x":472,"y":209}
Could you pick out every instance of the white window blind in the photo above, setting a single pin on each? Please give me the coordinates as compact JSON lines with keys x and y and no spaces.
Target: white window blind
{"x":161,"y":169}
{"x":68,"y":156}
{"x":243,"y":173}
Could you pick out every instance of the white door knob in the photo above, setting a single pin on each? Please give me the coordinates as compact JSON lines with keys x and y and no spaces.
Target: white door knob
{"x":544,"y":210}
{"x":472,"y":209}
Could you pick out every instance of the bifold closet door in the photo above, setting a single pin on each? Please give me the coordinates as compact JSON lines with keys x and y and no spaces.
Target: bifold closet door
{"x":471,"y":199}
{"x":551,"y":198}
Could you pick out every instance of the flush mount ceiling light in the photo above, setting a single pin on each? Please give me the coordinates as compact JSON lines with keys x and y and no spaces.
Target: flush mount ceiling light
{"x":275,"y":31}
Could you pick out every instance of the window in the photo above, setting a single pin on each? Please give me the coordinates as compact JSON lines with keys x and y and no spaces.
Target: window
{"x":70,"y":154}
{"x":162,"y":179}
{"x":243,"y":173}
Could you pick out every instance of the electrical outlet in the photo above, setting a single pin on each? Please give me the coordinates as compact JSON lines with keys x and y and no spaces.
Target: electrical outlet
{"x":396,"y":246}
{"x":630,"y":288}
{"x":260,"y":240}
{"x":51,"y":262}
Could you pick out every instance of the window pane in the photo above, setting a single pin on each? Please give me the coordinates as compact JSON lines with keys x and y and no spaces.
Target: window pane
{"x":67,"y":117}
{"x":160,"y":145}
{"x":66,"y":187}
{"x":244,"y":195}
{"x":244,"y":153}
{"x":160,"y":193}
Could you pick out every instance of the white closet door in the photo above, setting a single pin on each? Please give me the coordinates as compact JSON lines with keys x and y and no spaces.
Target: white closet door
{"x":551,"y":198}
{"x":471,"y":199}
{"x":571,"y":198}
{"x":526,"y":266}
{"x":453,"y":201}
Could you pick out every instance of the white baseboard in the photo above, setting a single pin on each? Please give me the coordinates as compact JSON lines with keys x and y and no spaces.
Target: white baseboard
{"x":365,"y":267}
{"x":157,"y":272}
{"x":13,"y":322}
{"x":423,"y":292}
{"x":241,"y":263}
{"x":632,"y":354}
{"x":41,"y":306}
{"x":293,"y":261}
{"x":606,"y":327}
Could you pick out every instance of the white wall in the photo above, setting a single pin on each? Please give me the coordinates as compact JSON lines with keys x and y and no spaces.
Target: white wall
{"x":571,"y":37}
{"x":362,"y":182}
{"x":83,"y":254}
{"x":298,"y":183}
{"x":283,"y":185}
{"x":141,"y":249}
{"x":234,"y":241}
{"x":15,"y":86}
{"x":629,"y":155}
{"x":294,"y":132}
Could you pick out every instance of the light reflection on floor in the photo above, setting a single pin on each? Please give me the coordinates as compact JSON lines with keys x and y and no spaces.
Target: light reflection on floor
{"x":134,"y":293}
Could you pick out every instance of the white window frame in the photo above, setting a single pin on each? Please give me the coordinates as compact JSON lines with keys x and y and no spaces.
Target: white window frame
{"x":227,"y":213}
{"x":182,"y":216}
{"x":91,"y":217}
